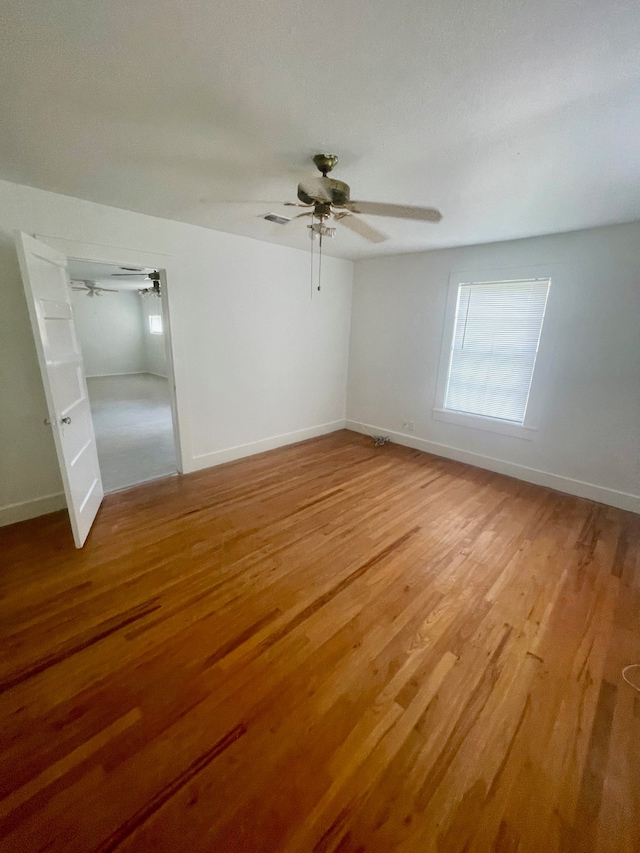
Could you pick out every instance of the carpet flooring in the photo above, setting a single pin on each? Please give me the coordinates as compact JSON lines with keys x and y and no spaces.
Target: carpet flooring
{"x":134,"y":430}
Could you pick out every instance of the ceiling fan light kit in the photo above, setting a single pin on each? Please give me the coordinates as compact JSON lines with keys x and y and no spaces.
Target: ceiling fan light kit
{"x":318,"y":229}
{"x":151,"y":291}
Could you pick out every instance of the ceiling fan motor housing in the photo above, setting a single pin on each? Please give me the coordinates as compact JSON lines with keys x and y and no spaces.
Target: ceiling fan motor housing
{"x":337,"y":192}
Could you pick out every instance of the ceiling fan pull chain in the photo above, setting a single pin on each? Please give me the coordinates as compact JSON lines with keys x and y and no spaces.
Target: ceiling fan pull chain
{"x":311,"y":233}
{"x":320,"y":261}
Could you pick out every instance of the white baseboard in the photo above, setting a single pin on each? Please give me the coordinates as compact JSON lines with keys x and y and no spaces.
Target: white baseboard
{"x":601,"y":494}
{"x":12,"y":513}
{"x":219,"y":457}
{"x":133,"y":373}
{"x":106,"y":375}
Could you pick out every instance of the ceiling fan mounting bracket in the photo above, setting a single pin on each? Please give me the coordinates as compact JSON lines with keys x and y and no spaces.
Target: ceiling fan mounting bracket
{"x":325,"y":162}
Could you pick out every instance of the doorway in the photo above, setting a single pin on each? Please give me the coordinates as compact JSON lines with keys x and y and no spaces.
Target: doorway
{"x":121,"y":324}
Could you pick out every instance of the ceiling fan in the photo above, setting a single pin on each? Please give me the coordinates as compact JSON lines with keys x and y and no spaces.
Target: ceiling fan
{"x":153,"y":276}
{"x":327,"y":197}
{"x":92,"y":289}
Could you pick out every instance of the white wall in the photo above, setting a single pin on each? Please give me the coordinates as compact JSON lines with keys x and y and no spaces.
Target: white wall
{"x":110,"y":330}
{"x":114,"y":334}
{"x":257,"y":362}
{"x":588,"y":440}
{"x":154,"y":349}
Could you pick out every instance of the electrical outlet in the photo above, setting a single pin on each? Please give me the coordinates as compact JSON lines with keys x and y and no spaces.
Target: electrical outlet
{"x":407,"y":426}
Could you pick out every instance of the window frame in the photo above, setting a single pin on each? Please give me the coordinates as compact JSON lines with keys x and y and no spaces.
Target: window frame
{"x":529,"y":428}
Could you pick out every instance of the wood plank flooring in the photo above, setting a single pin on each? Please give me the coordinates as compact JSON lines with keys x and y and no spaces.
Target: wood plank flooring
{"x":329,"y":648}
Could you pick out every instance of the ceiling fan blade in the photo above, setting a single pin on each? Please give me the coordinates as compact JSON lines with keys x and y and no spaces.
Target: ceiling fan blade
{"x":300,"y":215}
{"x":399,"y":211}
{"x":363,"y":229}
{"x":295,"y":204}
{"x":108,"y":289}
{"x":84,"y":289}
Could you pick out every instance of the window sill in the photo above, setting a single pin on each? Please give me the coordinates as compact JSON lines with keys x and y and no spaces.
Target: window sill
{"x":488,"y":424}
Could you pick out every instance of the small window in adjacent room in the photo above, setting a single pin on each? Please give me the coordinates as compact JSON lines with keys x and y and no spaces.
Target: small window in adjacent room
{"x":493,"y":349}
{"x":155,"y":324}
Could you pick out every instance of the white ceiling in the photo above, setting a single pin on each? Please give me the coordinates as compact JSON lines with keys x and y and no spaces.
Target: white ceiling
{"x":514,"y":117}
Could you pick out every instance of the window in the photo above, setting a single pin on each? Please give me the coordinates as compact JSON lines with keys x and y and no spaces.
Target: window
{"x":493,"y":348}
{"x":155,"y":324}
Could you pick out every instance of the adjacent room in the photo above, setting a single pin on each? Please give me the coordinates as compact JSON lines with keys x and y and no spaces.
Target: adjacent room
{"x":320,"y":447}
{"x":118,"y":317}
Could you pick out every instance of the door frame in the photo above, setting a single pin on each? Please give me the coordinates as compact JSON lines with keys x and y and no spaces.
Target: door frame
{"x":165,"y":264}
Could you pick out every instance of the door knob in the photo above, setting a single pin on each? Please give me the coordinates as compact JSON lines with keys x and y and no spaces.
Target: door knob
{"x":65,"y":420}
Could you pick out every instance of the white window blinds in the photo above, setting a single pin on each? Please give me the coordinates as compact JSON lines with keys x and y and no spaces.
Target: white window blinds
{"x":495,"y":342}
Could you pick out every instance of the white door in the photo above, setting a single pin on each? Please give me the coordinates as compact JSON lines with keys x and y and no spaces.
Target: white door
{"x":46,"y":285}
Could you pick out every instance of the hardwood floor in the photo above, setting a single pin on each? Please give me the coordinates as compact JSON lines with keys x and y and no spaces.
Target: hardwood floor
{"x":329,"y":647}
